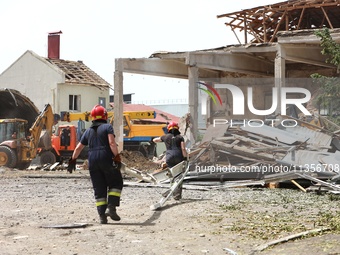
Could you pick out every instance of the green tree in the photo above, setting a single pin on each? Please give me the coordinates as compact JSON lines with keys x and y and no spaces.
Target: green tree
{"x":329,"y":92}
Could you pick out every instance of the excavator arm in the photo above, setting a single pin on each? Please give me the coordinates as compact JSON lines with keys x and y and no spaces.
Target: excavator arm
{"x":45,"y":120}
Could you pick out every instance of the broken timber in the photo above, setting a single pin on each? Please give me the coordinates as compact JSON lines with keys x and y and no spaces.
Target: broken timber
{"x":287,"y":238}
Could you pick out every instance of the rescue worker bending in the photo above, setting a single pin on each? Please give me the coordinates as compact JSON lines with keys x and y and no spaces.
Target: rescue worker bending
{"x":175,"y":150}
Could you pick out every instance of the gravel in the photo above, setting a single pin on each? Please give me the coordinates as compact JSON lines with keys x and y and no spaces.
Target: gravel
{"x":54,"y":213}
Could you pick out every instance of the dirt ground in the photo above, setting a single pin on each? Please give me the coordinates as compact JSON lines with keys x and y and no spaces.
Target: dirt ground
{"x":53,"y":212}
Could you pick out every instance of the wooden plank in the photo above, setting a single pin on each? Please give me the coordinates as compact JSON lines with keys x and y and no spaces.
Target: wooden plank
{"x":287,"y":238}
{"x":298,"y":185}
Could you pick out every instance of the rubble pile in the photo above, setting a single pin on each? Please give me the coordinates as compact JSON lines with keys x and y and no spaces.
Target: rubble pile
{"x":244,"y":152}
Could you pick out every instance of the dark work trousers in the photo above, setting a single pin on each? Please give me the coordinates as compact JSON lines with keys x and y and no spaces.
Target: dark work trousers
{"x":174,"y":157}
{"x":107,"y":184}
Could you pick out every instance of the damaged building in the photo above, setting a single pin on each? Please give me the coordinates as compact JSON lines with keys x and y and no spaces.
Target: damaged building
{"x":66,"y":85}
{"x":280,"y":52}
{"x":275,"y":58}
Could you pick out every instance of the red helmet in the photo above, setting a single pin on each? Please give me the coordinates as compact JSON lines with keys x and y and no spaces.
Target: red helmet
{"x":99,"y":113}
{"x":172,"y":125}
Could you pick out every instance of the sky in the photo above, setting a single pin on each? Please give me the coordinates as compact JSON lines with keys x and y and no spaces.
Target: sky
{"x":98,"y":32}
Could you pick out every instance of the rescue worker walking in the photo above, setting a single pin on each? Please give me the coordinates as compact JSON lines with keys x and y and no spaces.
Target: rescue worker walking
{"x":104,"y":164}
{"x":175,"y":150}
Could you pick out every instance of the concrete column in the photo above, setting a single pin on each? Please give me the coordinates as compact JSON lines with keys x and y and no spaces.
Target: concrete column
{"x":118,"y":103}
{"x":280,"y":73}
{"x":193,"y":100}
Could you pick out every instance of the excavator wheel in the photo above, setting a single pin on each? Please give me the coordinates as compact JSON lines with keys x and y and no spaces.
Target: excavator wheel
{"x":47,"y":157}
{"x":7,"y":157}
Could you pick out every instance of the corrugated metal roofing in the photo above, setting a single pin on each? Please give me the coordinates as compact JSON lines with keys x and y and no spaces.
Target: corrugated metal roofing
{"x":311,"y":160}
{"x":274,"y":133}
{"x":314,"y":137}
{"x":292,"y":135}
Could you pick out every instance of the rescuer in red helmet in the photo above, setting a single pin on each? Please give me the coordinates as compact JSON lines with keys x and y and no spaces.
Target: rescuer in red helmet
{"x":175,"y":150}
{"x":104,"y":164}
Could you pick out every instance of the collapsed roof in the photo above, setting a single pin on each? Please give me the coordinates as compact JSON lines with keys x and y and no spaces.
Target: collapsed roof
{"x":264,"y":22}
{"x":77,"y":72}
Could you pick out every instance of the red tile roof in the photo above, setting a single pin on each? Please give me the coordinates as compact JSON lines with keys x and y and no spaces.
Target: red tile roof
{"x":161,"y":117}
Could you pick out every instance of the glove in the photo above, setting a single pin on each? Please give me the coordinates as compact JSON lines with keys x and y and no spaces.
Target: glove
{"x":117,"y":159}
{"x":117,"y":162}
{"x":71,"y":165}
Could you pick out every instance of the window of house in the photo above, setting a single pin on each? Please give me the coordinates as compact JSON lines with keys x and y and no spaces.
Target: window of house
{"x":102,"y":101}
{"x":74,"y":102}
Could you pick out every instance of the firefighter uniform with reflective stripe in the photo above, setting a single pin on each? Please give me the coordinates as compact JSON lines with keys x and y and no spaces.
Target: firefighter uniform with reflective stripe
{"x":107,"y":181}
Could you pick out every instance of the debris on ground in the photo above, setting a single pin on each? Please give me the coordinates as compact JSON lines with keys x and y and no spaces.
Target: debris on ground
{"x":269,"y":217}
{"x":306,"y":155}
{"x":136,"y":160}
{"x":302,"y":151}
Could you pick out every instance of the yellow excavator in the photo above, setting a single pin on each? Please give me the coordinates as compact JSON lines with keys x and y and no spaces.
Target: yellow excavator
{"x":18,"y":147}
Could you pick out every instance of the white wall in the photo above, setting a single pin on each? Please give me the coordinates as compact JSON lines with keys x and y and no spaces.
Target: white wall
{"x":44,"y":84}
{"x":89,"y":96}
{"x":32,"y":77}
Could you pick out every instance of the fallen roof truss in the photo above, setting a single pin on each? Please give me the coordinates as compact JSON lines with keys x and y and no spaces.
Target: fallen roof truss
{"x":264,"y":22}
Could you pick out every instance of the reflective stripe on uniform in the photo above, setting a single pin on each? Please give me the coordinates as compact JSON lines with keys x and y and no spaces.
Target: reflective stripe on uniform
{"x":101,"y":201}
{"x":114,"y":192}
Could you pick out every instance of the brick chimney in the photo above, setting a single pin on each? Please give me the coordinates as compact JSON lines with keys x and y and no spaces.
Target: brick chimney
{"x":54,"y":45}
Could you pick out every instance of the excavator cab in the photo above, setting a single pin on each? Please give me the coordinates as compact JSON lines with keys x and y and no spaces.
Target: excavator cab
{"x":12,"y":129}
{"x":12,"y":135}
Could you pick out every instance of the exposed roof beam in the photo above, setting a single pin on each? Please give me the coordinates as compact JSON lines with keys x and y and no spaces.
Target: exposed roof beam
{"x":300,"y":19}
{"x":278,"y":26}
{"x":329,"y":21}
{"x":264,"y":22}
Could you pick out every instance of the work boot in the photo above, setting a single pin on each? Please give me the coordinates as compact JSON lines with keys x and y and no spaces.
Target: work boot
{"x":111,"y":211}
{"x":103,"y":219}
{"x":177,"y":196}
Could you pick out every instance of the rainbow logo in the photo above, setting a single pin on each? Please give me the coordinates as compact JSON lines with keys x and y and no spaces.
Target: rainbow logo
{"x":210,"y":91}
